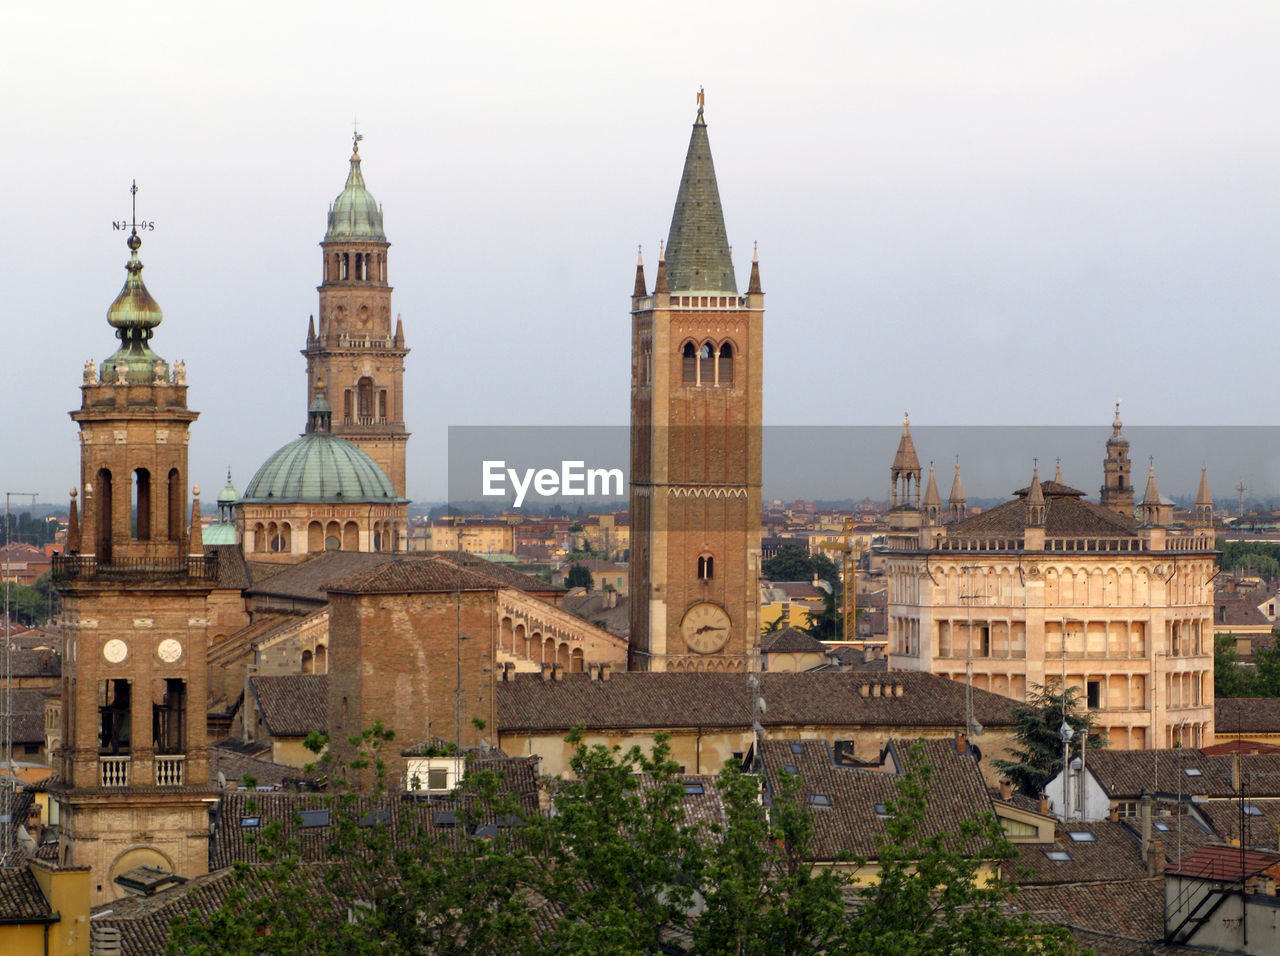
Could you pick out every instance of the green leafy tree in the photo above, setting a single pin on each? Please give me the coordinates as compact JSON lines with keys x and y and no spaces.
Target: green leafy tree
{"x":932,"y":895}
{"x":622,"y":862}
{"x":824,"y":626}
{"x":1037,"y":730}
{"x":1229,"y":679}
{"x":578,"y":577}
{"x":761,"y":894}
{"x":793,"y":562}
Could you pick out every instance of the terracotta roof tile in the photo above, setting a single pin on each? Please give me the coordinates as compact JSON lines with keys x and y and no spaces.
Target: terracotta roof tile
{"x":1246,"y":715}
{"x":629,"y":700}
{"x":1124,"y":774}
{"x":788,"y":640}
{"x":1108,"y":851}
{"x":292,"y":705}
{"x":1224,"y":863}
{"x":20,"y":897}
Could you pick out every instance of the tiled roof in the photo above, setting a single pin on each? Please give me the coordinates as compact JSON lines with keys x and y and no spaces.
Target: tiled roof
{"x":1246,"y":715}
{"x":852,"y":817}
{"x":20,"y":897}
{"x":235,"y":842}
{"x":1132,"y":910}
{"x":1223,"y":863}
{"x":509,"y":577}
{"x":591,"y":607}
{"x":1261,"y":818}
{"x":1064,"y":517}
{"x":237,"y":766}
{"x":38,"y":663}
{"x":1109,"y":852}
{"x":233,"y":573}
{"x":292,"y":705}
{"x":788,"y":640}
{"x":640,"y":700}
{"x":1124,"y":774}
{"x":1233,"y":610}
{"x":28,"y":715}
{"x":411,"y":575}
{"x":1240,"y":745}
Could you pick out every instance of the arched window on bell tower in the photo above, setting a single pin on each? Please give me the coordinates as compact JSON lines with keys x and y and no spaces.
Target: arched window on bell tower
{"x":174,"y":502}
{"x":104,"y":490}
{"x":364,"y":394}
{"x":141,"y":519}
{"x":706,"y":567}
{"x":689,"y":360}
{"x":724,"y":371}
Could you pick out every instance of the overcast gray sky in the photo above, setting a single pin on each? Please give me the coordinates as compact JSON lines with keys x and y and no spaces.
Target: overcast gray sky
{"x":986,"y":213}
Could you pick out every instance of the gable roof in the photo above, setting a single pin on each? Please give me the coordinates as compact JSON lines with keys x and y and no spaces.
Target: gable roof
{"x":21,"y":900}
{"x":788,"y":640}
{"x":1125,"y":774}
{"x":633,"y":700}
{"x":1227,"y":863}
{"x":292,"y":705}
{"x":1065,"y":516}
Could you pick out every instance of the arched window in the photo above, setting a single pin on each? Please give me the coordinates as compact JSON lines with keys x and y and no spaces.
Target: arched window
{"x":322,"y":659}
{"x":103,"y":490}
{"x":359,"y":266}
{"x":706,"y":567}
{"x":351,"y":536}
{"x":382,"y":406}
{"x":142,"y":504}
{"x":333,"y":537}
{"x":346,"y":407}
{"x":175,"y":505}
{"x":724,"y":373}
{"x":315,"y":537}
{"x":308,"y":666}
{"x":706,"y":364}
{"x":690,"y":363}
{"x":260,"y":537}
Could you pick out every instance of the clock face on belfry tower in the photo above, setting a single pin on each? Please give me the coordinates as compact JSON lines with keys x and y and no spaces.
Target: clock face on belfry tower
{"x":705,"y":628}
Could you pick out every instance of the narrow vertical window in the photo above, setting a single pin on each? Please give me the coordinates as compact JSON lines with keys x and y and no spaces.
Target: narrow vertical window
{"x":706,"y":365}
{"x":142,"y":504}
{"x":690,"y":363}
{"x":724,"y":374}
{"x":706,"y":567}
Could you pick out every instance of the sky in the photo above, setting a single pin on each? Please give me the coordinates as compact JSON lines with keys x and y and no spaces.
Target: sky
{"x":994,"y":214}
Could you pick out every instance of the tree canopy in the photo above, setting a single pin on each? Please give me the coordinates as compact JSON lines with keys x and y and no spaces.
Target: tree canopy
{"x":620,"y":867}
{"x":578,"y":577}
{"x":1037,"y":730}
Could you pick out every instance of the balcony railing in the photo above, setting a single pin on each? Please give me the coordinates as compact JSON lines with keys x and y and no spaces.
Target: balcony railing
{"x":83,"y":567}
{"x":114,"y":771}
{"x":169,"y":770}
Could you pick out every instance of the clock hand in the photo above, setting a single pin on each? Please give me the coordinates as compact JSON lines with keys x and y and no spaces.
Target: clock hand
{"x":708,"y":627}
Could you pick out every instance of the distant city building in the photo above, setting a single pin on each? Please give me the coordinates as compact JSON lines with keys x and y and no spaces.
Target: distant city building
{"x":1050,"y":587}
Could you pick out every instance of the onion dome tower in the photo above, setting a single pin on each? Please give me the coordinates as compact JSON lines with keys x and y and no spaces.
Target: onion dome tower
{"x":357,"y":350}
{"x":133,"y":767}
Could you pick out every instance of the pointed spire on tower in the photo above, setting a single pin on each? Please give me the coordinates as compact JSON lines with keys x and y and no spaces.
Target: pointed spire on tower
{"x":1204,"y":501}
{"x":660,"y":282}
{"x":73,"y":527}
{"x":698,"y":257}
{"x":640,"y":288}
{"x":398,"y":341}
{"x":932,"y":504}
{"x":1152,"y":496}
{"x":196,"y":546}
{"x":904,"y":475}
{"x":1057,"y":472}
{"x":1155,"y":513}
{"x":956,"y":504}
{"x":311,"y":329}
{"x":754,"y":287}
{"x":1036,"y":510}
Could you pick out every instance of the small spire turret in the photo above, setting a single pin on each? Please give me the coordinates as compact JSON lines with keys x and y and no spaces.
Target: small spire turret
{"x":640,"y":288}
{"x":1204,"y":501}
{"x":957,"y":506}
{"x":932,"y":504}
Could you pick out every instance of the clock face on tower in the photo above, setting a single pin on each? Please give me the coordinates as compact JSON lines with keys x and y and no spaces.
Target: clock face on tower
{"x":705,"y":628}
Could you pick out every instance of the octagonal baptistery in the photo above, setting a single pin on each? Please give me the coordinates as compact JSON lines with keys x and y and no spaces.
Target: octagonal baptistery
{"x":320,"y":493}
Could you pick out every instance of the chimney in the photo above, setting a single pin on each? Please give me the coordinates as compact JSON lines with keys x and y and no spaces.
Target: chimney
{"x":1144,"y":815}
{"x":557,"y":672}
{"x":962,"y":742}
{"x":1044,"y":804}
{"x":593,"y":671}
{"x":1006,"y":790}
{"x":546,"y":670}
{"x":508,"y":671}
{"x":1155,"y":861}
{"x":1114,"y":816}
{"x":606,"y":671}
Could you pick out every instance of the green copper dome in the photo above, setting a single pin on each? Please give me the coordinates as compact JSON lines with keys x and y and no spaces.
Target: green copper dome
{"x":134,"y":315}
{"x":320,"y":467}
{"x":228,"y":495}
{"x":355,"y":214}
{"x":220,"y":533}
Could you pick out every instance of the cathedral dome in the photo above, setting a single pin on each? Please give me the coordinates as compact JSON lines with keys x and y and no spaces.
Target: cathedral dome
{"x":320,"y":467}
{"x":355,"y":214}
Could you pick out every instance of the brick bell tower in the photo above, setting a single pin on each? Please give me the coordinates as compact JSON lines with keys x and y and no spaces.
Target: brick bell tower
{"x":696,"y":396}
{"x":133,"y":770}
{"x":355,"y":352}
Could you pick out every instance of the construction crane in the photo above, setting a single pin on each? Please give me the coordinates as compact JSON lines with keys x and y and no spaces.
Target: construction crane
{"x":849,"y":571}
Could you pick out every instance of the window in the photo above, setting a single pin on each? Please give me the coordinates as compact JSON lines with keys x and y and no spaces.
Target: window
{"x":706,"y":567}
{"x":1162,"y":827}
{"x":724,"y":374}
{"x":881,"y":810}
{"x":314,"y":818}
{"x":797,"y":748}
{"x":706,"y":364}
{"x":689,"y":364}
{"x":1060,"y":856}
{"x":142,"y":505}
{"x":113,"y":714}
{"x":364,"y":399}
{"x":444,"y":818}
{"x":248,"y":822}
{"x":1094,"y":694}
{"x":168,"y":718}
{"x":790,"y":768}
{"x":1192,"y":772}
{"x":376,"y":818}
{"x":819,"y":800}
{"x":693,"y":789}
{"x":1126,"y":808}
{"x":1252,"y":811}
{"x":437,"y":779}
{"x":1082,"y":836}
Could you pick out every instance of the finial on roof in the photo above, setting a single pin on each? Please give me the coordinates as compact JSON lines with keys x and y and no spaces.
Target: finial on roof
{"x":639,"y":255}
{"x":356,"y":136}
{"x":1057,"y":474}
{"x":702,"y":101}
{"x":662,"y":251}
{"x":755,"y":250}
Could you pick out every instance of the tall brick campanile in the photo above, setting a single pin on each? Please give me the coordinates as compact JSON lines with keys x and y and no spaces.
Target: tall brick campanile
{"x":355,"y":352}
{"x":696,"y":395}
{"x":133,"y":785}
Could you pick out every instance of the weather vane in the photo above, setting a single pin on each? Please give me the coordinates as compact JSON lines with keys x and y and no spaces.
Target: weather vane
{"x":146,"y":225}
{"x":356,"y":135}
